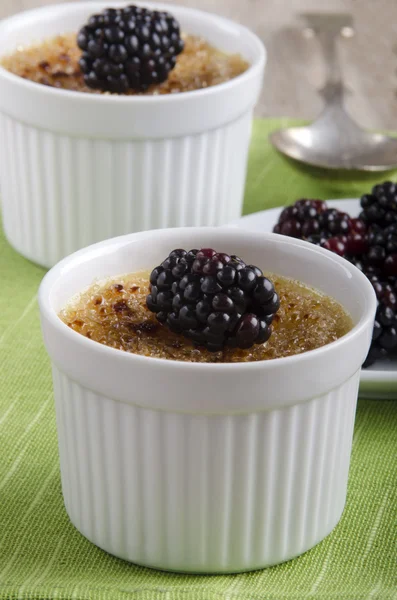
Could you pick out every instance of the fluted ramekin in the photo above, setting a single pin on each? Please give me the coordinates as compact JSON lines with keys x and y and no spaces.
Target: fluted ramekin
{"x":78,"y":168}
{"x":205,"y":467}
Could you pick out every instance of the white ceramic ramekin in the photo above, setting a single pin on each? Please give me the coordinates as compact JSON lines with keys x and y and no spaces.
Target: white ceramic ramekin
{"x":78,"y":168}
{"x":205,"y":467}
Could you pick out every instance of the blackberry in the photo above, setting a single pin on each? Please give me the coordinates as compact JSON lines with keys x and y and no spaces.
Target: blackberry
{"x":128,"y":48}
{"x":312,"y":220}
{"x":335,"y":222}
{"x":302,"y":219}
{"x":214,"y":299}
{"x":384,"y":337}
{"x":380,"y":206}
{"x":382,"y":251}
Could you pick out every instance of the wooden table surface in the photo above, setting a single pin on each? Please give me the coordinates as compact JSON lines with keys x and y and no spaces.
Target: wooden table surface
{"x":295,"y":71}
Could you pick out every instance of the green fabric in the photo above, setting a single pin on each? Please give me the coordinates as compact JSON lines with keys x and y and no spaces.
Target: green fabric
{"x":43,"y":557}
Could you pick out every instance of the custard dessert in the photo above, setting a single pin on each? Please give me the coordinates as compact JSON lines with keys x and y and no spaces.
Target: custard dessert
{"x":126,"y":51}
{"x":127,"y":312}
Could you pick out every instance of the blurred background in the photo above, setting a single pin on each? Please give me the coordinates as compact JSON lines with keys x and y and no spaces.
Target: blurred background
{"x":295,"y":69}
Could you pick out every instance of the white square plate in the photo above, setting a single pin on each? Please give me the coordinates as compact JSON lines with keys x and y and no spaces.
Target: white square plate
{"x":378,"y":381}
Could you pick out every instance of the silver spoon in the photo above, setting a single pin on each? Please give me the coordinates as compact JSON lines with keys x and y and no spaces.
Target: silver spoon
{"x":334,"y":140}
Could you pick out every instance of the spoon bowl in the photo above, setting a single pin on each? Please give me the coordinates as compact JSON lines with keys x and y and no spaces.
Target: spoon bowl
{"x":365,"y":152}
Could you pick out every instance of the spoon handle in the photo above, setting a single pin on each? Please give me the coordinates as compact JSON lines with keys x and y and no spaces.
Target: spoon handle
{"x":328,"y":45}
{"x":328,"y":28}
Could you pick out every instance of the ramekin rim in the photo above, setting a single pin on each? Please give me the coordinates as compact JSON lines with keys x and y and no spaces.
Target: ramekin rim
{"x":255,"y":67}
{"x":54,"y":274}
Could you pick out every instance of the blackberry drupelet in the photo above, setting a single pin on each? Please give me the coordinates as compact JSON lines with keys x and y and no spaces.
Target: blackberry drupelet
{"x":128,"y":48}
{"x":214,"y":299}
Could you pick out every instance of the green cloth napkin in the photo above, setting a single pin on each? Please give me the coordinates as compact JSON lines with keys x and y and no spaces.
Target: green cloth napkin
{"x":42,"y":556}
